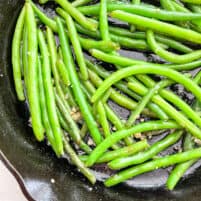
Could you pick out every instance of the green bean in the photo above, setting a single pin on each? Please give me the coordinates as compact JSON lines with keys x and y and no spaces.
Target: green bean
{"x":142,"y":11}
{"x":32,"y":78}
{"x":96,"y":68}
{"x":195,"y":8}
{"x":122,"y":152}
{"x":152,"y":165}
{"x":53,"y":58}
{"x":120,"y":99}
{"x":43,"y":1}
{"x":77,"y":15}
{"x":118,"y":60}
{"x":76,"y":46}
{"x":142,"y":35}
{"x":171,"y":111}
{"x":87,"y":43}
{"x":141,"y":157}
{"x":104,"y":74}
{"x":135,"y":2}
{"x":126,"y":42}
{"x":24,"y":55}
{"x":76,"y":161}
{"x":83,"y":130}
{"x":180,"y":7}
{"x":189,"y":84}
{"x":144,"y":101}
{"x":104,"y":122}
{"x":44,"y":18}
{"x":125,"y":72}
{"x":173,"y":98}
{"x":168,"y":56}
{"x":62,"y":72}
{"x":125,"y":101}
{"x":17,"y":37}
{"x":122,"y":41}
{"x":115,"y":137}
{"x":181,"y":168}
{"x":110,"y":114}
{"x":103,"y":21}
{"x":113,"y":118}
{"x":62,"y":121}
{"x":44,"y":112}
{"x":49,"y":93}
{"x":77,"y":3}
{"x":106,"y":46}
{"x":103,"y":119}
{"x":124,"y":61}
{"x":158,"y":26}
{"x":116,"y":121}
{"x":79,"y":96}
{"x":167,"y":5}
{"x":192,"y":1}
{"x":73,"y":128}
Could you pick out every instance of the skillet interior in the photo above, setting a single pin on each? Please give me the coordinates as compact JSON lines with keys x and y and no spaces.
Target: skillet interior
{"x":37,"y":164}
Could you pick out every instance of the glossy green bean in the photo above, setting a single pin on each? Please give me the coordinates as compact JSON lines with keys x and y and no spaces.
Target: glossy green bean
{"x":122,"y":61}
{"x":125,"y":61}
{"x":174,"y":75}
{"x":87,"y":43}
{"x":169,"y":56}
{"x":32,"y":77}
{"x":141,"y":157}
{"x":122,"y":152}
{"x":73,"y":128}
{"x":176,"y":115}
{"x":142,"y":11}
{"x":144,"y":101}
{"x":44,"y":18}
{"x":112,"y":117}
{"x":127,"y":102}
{"x":44,"y":112}
{"x":152,"y":69}
{"x":63,"y":72}
{"x":77,"y":3}
{"x":103,"y":21}
{"x":77,"y":162}
{"x":106,"y":46}
{"x":118,"y":98}
{"x":24,"y":55}
{"x":103,"y":73}
{"x":192,"y":1}
{"x":79,"y":96}
{"x":142,"y":35}
{"x":152,"y":165}
{"x":125,"y":42}
{"x":158,"y":26}
{"x":181,"y":168}
{"x":103,"y":119}
{"x":167,"y":5}
{"x":173,"y":98}
{"x":16,"y":45}
{"x":76,"y":46}
{"x":115,"y":137}
{"x":49,"y":93}
{"x":77,"y":15}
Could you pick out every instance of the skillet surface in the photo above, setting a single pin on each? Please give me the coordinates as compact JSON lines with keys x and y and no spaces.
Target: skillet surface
{"x":36,"y":163}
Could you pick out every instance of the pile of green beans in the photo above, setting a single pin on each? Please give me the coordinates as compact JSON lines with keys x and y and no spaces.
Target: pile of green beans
{"x":71,"y":71}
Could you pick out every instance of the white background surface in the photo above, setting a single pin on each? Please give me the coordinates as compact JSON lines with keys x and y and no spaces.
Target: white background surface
{"x":9,"y":188}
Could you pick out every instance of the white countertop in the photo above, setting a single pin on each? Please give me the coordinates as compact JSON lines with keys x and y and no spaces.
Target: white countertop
{"x":9,"y":187}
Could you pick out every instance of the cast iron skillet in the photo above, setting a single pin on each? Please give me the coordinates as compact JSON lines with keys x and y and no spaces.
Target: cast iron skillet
{"x":36,"y":163}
